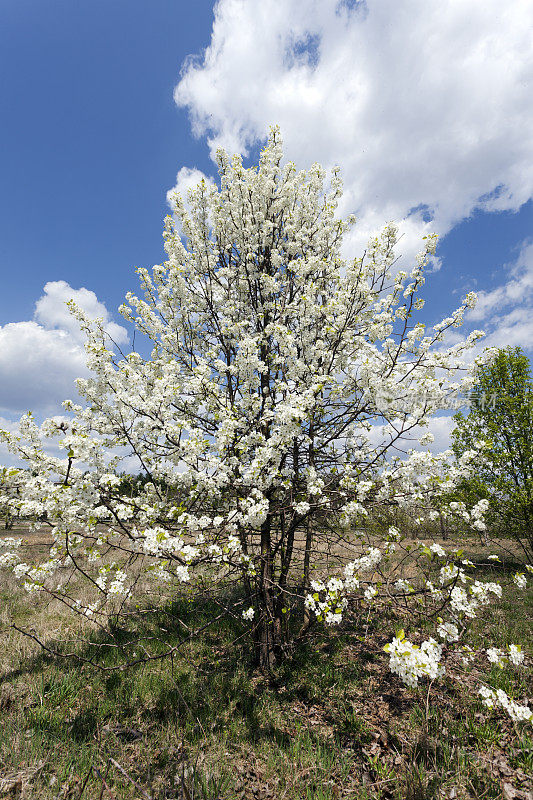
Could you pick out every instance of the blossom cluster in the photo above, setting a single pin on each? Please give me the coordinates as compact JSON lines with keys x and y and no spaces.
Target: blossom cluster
{"x":514,"y":655}
{"x":448,"y":631}
{"x":498,"y":698}
{"x":328,"y":599}
{"x":412,"y":662}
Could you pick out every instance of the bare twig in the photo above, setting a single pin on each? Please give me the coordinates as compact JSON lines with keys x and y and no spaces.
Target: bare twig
{"x":85,"y":782}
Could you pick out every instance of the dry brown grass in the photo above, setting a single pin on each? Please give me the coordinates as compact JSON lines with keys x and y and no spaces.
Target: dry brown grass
{"x":333,"y":724}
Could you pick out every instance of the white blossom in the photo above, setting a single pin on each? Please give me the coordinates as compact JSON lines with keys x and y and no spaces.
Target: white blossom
{"x":448,"y":631}
{"x":370,"y":593}
{"x":493,"y":699}
{"x":516,"y":654}
{"x":495,"y":656}
{"x":520,"y":580}
{"x":412,"y":662}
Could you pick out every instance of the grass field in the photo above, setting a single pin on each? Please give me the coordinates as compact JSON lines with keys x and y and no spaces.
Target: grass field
{"x":331,"y":723}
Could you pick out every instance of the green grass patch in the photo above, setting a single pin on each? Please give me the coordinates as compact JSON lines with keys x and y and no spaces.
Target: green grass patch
{"x":331,"y":723}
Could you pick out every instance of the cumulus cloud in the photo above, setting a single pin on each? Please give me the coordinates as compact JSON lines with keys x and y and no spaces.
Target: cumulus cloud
{"x":41,"y":358}
{"x":426,"y":108}
{"x":37,"y":366}
{"x":52,"y":313}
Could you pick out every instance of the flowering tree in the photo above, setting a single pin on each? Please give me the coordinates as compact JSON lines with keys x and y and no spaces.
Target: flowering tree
{"x":283,"y":389}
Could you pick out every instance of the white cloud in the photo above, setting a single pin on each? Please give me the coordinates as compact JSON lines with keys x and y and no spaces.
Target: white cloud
{"x":514,"y":329}
{"x":426,"y":107}
{"x":41,"y":358}
{"x":37,"y":366}
{"x":7,"y":459}
{"x":517,"y":290}
{"x":52,"y":313}
{"x":441,"y":427}
{"x":506,"y":310}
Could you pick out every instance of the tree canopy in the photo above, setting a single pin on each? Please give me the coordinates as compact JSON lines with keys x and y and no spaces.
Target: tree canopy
{"x":499,"y":427}
{"x":286,"y":387}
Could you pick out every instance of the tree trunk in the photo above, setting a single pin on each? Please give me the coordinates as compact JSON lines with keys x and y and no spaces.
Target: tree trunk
{"x":305,"y":580}
{"x":268,"y":626}
{"x":308,"y":534}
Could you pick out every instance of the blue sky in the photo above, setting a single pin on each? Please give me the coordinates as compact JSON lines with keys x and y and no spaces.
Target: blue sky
{"x":107,"y":104}
{"x":91,"y":140}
